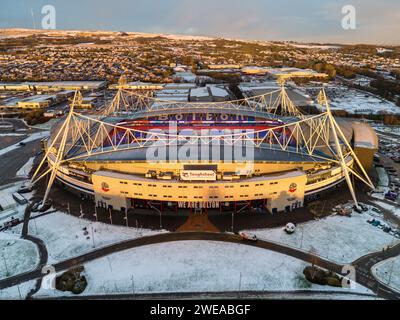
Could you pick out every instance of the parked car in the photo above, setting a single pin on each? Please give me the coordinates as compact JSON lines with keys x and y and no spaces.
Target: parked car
{"x":13,"y":222}
{"x":248,"y":237}
{"x":22,"y":144}
{"x":25,"y":189}
{"x":376,"y":210}
{"x":19,"y":198}
{"x":391,"y":196}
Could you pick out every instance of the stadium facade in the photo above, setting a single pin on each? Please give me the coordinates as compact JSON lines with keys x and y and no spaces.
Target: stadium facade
{"x":165,"y":155}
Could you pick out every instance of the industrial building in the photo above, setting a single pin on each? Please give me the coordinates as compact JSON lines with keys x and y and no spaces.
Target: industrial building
{"x":290,"y":73}
{"x":40,"y":101}
{"x":53,"y":85}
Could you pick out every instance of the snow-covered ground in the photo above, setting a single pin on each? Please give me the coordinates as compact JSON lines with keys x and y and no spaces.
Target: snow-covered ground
{"x":196,"y":266}
{"x":12,"y":134}
{"x":388,"y":272}
{"x":339,"y":239}
{"x":395,"y":209}
{"x":23,"y":172}
{"x":17,"y":255}
{"x":390,"y":129}
{"x":32,"y":137}
{"x":18,"y":292}
{"x":360,"y":102}
{"x":64,"y":236}
{"x":10,"y":206}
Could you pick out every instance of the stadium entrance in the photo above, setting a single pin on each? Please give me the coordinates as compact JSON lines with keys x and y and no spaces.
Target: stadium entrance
{"x":259,"y":206}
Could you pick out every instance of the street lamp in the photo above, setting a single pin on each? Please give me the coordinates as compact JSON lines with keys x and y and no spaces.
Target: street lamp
{"x":126,"y":218}
{"x":95,"y":213}
{"x":233,"y":216}
{"x":94,"y":245}
{"x":5,"y":263}
{"x":302,"y":234}
{"x":109,"y":210}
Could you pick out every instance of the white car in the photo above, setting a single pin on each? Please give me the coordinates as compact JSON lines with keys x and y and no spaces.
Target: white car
{"x":247,"y":236}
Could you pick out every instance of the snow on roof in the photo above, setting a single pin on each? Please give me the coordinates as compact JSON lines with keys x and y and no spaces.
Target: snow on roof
{"x":258,"y":86}
{"x":218,"y":91}
{"x":39,"y":98}
{"x":199,"y":92}
{"x":356,"y":102}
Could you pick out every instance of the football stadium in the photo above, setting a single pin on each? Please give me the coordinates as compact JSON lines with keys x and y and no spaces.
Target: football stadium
{"x":262,"y":151}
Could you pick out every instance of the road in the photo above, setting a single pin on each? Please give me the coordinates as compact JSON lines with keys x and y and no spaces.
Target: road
{"x":12,"y":161}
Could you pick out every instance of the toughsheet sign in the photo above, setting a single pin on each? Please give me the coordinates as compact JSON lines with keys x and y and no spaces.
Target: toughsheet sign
{"x":198,"y":175}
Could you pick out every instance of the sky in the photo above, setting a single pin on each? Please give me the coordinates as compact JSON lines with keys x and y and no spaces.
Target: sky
{"x":377,"y":21}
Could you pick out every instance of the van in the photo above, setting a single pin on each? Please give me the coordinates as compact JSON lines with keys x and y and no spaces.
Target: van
{"x":19,"y":198}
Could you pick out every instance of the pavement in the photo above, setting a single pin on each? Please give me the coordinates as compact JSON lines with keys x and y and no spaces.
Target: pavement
{"x":198,"y":222}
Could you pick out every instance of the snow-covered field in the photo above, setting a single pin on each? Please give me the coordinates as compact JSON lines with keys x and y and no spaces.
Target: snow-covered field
{"x":339,"y":239}
{"x":388,"y":272}
{"x":64,"y":236}
{"x":11,"y":207}
{"x":195,"y":266}
{"x":17,"y":255}
{"x":18,"y":292}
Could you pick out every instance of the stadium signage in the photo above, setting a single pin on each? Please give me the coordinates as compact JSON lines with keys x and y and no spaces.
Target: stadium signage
{"x":105,"y":187}
{"x":199,"y":205}
{"x":293,"y":188}
{"x":198,"y":175}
